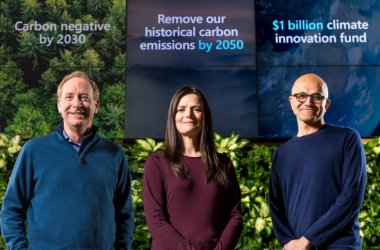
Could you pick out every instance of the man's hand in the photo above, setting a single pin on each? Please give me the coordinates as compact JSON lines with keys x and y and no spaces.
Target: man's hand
{"x":298,"y":244}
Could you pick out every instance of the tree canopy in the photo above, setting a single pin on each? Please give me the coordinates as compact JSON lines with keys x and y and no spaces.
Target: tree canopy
{"x":36,"y":54}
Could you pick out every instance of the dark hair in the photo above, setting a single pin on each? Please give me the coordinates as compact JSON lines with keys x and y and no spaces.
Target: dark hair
{"x":214,"y":170}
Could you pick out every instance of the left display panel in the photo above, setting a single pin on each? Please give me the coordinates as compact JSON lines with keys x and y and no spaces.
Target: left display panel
{"x":41,"y":42}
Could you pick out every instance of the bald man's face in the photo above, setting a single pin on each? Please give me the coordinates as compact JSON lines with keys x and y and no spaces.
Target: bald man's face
{"x":312,"y":109}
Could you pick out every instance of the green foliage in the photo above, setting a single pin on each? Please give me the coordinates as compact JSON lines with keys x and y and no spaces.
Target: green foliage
{"x":28,"y":122}
{"x":6,"y":30}
{"x":254,"y":181}
{"x":9,"y":148}
{"x":231,"y":146}
{"x":51,"y":115}
{"x":111,"y":113}
{"x":10,"y":83}
{"x":27,"y":65}
{"x":55,"y":8}
{"x":30,"y":9}
{"x":252,"y":164}
{"x":37,"y":103}
{"x":370,"y":214}
{"x":109,"y":46}
{"x":66,"y":60}
{"x":92,"y":62}
{"x":118,"y":69}
{"x":137,"y":153}
{"x":30,"y":50}
{"x":98,"y":7}
{"x":49,"y":81}
{"x":112,"y":116}
{"x":117,"y":16}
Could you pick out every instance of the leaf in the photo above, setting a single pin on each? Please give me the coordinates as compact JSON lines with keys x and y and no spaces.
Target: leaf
{"x":246,"y":199}
{"x":259,"y":199}
{"x":363,"y":214}
{"x":217,"y":137}
{"x":158,"y":146}
{"x":233,"y":146}
{"x":259,"y":224}
{"x":233,"y":139}
{"x":224,"y":142}
{"x":242,"y":143}
{"x":3,"y":163}
{"x":144,"y":144}
{"x":151,"y":142}
{"x":264,"y":210}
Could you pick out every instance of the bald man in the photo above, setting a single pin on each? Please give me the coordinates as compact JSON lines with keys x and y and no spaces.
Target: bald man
{"x":318,"y":177}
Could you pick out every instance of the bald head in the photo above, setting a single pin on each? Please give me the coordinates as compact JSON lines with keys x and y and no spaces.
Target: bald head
{"x":310,"y":81}
{"x":309,"y":101}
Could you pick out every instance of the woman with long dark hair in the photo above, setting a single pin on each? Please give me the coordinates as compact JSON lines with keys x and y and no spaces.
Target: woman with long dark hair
{"x":190,"y":192}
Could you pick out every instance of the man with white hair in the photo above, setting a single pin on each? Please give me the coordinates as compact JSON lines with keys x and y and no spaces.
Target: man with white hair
{"x":70,"y":189}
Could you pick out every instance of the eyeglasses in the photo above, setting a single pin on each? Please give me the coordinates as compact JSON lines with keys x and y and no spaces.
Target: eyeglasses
{"x":302,"y":97}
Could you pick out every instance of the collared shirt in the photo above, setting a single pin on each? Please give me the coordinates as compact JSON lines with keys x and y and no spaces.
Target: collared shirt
{"x":75,"y":145}
{"x":86,"y":138}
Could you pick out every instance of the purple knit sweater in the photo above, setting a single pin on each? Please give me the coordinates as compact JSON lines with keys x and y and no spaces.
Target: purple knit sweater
{"x":190,"y":213}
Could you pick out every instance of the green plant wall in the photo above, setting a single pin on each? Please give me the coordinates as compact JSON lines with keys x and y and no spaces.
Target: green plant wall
{"x":252,"y":163}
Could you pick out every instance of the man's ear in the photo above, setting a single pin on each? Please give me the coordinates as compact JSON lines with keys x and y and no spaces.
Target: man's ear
{"x":97,"y":104}
{"x":58,"y":105}
{"x":328,"y":103}
{"x":290,"y":101}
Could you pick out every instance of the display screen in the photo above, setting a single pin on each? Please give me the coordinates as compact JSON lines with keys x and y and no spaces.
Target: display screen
{"x":202,"y":44}
{"x":245,"y":56}
{"x":41,"y":42}
{"x":338,"y":40}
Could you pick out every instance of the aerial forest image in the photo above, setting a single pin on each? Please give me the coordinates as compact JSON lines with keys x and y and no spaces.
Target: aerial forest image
{"x":42,"y":41}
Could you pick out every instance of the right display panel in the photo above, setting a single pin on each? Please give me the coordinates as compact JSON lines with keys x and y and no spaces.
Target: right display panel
{"x":338,"y":40}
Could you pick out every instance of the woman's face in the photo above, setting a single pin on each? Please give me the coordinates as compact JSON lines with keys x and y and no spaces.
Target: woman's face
{"x":189,"y":115}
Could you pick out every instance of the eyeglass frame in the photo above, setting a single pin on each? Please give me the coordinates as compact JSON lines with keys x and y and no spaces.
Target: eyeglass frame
{"x":313,"y":97}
